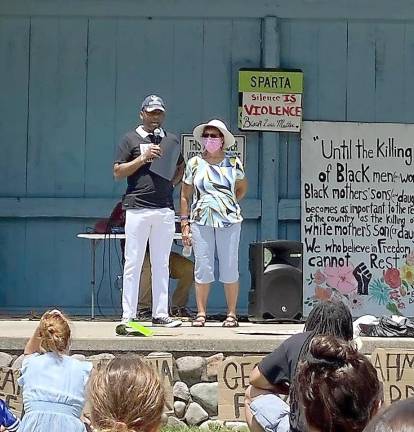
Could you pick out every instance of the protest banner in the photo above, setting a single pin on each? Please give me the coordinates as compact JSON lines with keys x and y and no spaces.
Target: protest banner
{"x":395,"y":368}
{"x":270,"y":100}
{"x":163,"y":365}
{"x":233,"y":379}
{"x":358,"y":216}
{"x":10,"y":391}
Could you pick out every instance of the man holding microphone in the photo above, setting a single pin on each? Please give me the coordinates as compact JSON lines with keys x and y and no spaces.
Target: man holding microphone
{"x":149,"y":208}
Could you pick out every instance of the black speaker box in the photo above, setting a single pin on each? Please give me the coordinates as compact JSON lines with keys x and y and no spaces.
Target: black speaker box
{"x":276,"y":281}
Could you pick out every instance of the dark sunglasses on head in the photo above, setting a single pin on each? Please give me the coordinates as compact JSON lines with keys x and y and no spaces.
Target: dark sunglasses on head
{"x":209,"y":135}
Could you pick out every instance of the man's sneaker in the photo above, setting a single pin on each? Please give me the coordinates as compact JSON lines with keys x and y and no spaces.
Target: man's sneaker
{"x":166,"y":322}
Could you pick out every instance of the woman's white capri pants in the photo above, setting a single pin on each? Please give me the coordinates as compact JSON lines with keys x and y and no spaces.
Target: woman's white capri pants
{"x":206,"y":240}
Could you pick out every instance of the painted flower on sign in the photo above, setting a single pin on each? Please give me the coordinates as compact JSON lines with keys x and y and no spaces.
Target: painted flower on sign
{"x":410,"y":259}
{"x":355,"y":301}
{"x":392,"y":278}
{"x":341,"y":278}
{"x":407,"y":273}
{"x":319,"y":277}
{"x":394,"y":295}
{"x":323,"y":293}
{"x":395,"y":288}
{"x":379,"y":292}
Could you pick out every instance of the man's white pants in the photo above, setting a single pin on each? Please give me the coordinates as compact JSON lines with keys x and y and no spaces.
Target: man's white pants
{"x":158,"y":227}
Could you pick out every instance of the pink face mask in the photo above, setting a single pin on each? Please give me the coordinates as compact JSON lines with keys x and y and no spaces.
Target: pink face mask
{"x":212,"y":144}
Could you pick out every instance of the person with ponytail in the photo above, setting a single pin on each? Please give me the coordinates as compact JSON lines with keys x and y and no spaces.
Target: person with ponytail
{"x":338,"y":387}
{"x":125,"y":395}
{"x":215,"y":182}
{"x":274,"y":375}
{"x":53,"y":383}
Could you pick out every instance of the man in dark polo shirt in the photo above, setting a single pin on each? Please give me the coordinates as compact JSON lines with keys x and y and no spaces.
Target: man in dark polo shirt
{"x":148,"y":203}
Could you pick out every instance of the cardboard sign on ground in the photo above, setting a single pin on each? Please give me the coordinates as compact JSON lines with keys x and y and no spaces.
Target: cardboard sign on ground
{"x":162,"y":364}
{"x":233,"y":379}
{"x":395,"y":368}
{"x":10,"y":391}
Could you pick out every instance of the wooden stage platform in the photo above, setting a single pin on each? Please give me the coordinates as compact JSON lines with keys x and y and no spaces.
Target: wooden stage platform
{"x":91,"y":337}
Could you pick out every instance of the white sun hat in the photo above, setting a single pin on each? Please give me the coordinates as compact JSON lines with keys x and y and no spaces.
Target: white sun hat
{"x":229,"y":139}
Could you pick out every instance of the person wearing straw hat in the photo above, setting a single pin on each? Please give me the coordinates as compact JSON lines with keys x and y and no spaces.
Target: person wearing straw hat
{"x":217,"y":183}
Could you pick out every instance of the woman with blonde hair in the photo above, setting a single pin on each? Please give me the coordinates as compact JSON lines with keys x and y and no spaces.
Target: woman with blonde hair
{"x":53,"y":383}
{"x":125,"y":395}
{"x":216,"y":183}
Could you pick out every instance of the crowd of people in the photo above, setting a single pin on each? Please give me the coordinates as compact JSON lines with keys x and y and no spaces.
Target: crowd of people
{"x":124,"y":394}
{"x":331,"y":386}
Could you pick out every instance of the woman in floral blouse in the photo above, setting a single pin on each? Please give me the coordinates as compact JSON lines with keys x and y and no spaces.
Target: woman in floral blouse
{"x":216,"y":182}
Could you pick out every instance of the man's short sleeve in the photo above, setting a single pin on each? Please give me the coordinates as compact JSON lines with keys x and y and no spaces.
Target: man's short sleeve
{"x":275,"y":367}
{"x":180,"y":160}
{"x":123,"y":153}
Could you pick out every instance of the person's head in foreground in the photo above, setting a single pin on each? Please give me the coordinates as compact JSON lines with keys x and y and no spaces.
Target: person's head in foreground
{"x":330,"y":318}
{"x":125,"y":395}
{"x":54,"y":332}
{"x":398,"y":417}
{"x":338,"y":387}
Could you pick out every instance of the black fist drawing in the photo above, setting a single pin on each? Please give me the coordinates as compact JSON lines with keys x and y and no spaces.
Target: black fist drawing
{"x":363,"y":277}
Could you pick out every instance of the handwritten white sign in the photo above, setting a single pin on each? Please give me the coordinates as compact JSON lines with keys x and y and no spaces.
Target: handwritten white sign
{"x":358,"y":216}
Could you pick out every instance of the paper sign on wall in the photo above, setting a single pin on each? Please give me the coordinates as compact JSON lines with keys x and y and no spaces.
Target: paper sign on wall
{"x":358,"y":216}
{"x":270,"y":100}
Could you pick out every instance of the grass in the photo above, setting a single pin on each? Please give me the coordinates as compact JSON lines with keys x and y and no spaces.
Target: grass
{"x":213,"y":428}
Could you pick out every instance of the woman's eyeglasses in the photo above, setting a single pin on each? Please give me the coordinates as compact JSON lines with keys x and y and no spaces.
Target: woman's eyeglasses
{"x":209,"y":135}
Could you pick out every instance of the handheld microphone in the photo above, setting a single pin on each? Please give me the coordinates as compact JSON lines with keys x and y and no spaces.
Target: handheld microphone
{"x":157,"y":135}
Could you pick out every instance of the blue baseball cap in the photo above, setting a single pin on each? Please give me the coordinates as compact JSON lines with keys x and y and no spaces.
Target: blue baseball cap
{"x":152,"y":103}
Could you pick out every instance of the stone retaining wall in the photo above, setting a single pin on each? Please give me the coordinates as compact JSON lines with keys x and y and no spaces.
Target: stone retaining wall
{"x":195,"y":389}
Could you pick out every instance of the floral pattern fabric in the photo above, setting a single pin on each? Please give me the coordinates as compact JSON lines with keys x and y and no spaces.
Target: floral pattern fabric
{"x":214,"y":200}
{"x":394,"y":288}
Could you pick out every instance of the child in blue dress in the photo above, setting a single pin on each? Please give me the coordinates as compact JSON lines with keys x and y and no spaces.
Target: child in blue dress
{"x":8,"y":421}
{"x":53,"y":383}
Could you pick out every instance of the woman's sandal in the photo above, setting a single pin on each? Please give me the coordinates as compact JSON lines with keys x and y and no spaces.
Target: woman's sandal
{"x":230,"y":321}
{"x":199,"y":320}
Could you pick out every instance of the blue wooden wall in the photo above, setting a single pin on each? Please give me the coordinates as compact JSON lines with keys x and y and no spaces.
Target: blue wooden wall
{"x":72,"y":76}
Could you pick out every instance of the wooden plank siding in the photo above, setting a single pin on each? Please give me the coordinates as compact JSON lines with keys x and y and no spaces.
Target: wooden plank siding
{"x":84,"y":92}
{"x":72,"y":78}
